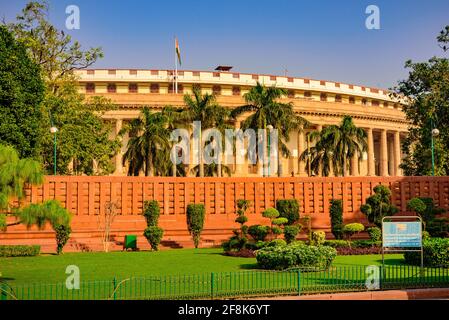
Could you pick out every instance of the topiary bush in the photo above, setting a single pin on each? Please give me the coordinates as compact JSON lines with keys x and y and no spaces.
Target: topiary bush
{"x":296,"y":255}
{"x":19,"y":251}
{"x":375,"y":234}
{"x":318,"y":238}
{"x":154,"y":235}
{"x":62,"y":236}
{"x":259,"y":232}
{"x":239,"y":240}
{"x":151,"y":212}
{"x":270,"y":213}
{"x":337,"y":243}
{"x":291,"y":232}
{"x":195,"y":221}
{"x":336,"y":215}
{"x":276,"y":243}
{"x":379,"y":205}
{"x":288,"y":208}
{"x":352,"y":228}
{"x":436,"y":253}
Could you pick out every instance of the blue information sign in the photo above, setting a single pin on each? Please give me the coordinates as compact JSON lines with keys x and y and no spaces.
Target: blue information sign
{"x":402,"y":235}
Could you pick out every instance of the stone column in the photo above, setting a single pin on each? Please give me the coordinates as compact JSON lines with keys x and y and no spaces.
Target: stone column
{"x":355,"y":165}
{"x":391,"y":159}
{"x":397,"y":153}
{"x":370,"y":151}
{"x":319,"y":127}
{"x":301,"y":148}
{"x":383,"y":153}
{"x":119,"y":156}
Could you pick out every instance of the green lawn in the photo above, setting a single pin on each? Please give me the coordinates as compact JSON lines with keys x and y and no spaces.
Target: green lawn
{"x":106,"y":266}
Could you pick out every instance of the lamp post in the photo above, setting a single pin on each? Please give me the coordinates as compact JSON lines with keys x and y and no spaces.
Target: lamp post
{"x":434,"y":133}
{"x":53,"y":130}
{"x":269,"y":127}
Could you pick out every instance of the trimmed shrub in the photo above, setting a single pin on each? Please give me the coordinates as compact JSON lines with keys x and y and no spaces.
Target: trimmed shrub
{"x":154,"y":236}
{"x":318,"y":238}
{"x":259,"y":232}
{"x":288,"y":208}
{"x":280,"y":221}
{"x":295,"y":255}
{"x":195,"y":221}
{"x":336,"y":215}
{"x":290,"y":232}
{"x":379,"y":205}
{"x":352,"y":228}
{"x":436,"y":253}
{"x":270,"y":213}
{"x":276,"y":243}
{"x":375,"y":234}
{"x":151,"y":212}
{"x":19,"y":251}
{"x":337,"y":243}
{"x":62,"y":236}
{"x":365,"y":243}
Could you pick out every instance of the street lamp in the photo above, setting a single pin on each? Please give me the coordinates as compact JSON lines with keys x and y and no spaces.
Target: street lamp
{"x":269,"y":127}
{"x":53,"y":130}
{"x":434,"y":133}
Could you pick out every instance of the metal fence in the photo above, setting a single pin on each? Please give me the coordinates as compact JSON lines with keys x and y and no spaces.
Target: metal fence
{"x":222,"y":285}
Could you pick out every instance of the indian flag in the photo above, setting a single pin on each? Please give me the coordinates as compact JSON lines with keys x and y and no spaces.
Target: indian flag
{"x":178,"y":52}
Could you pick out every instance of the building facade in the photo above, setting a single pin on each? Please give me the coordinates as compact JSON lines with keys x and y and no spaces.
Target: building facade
{"x":321,"y":102}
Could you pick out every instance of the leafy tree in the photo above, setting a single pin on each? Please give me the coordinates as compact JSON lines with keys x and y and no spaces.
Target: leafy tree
{"x":149,"y":137}
{"x":336,"y":145}
{"x":83,"y":136}
{"x":204,"y":108}
{"x":196,"y":214}
{"x":153,"y":233}
{"x":21,"y":94}
{"x":267,"y":110}
{"x":426,"y":92}
{"x":379,"y":205}
{"x":336,"y":215}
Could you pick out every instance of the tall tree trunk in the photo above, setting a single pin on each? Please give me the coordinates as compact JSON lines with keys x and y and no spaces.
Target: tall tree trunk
{"x":344,"y":165}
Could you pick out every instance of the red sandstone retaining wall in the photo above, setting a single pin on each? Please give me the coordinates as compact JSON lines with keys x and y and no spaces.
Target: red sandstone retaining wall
{"x":86,"y":197}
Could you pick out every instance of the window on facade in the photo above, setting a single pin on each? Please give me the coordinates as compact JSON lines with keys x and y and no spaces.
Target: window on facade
{"x":195,"y":73}
{"x":216,"y":90}
{"x":171,"y":88}
{"x":111,"y":71}
{"x":364,"y":102}
{"x":351,"y":100}
{"x":291,"y":93}
{"x":132,"y":88}
{"x":273,"y":78}
{"x":235,"y":75}
{"x":133,"y":72}
{"x":323,"y":97}
{"x":216,"y":74}
{"x":322,"y":83}
{"x":337,"y":84}
{"x":307,"y":94}
{"x":306,"y":81}
{"x":112,"y":88}
{"x":235,"y":91}
{"x":154,"y":88}
{"x":375,"y":103}
{"x":90,"y":87}
{"x":255,"y":77}
{"x":154,"y":72}
{"x":290,"y":79}
{"x":338,"y":98}
{"x":90,"y":71}
{"x":386,"y":104}
{"x":351,"y":86}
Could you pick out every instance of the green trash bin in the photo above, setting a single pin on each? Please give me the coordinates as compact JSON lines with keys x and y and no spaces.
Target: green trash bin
{"x":130,"y":242}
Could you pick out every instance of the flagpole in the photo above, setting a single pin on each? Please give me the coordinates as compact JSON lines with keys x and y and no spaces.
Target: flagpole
{"x":176,"y":71}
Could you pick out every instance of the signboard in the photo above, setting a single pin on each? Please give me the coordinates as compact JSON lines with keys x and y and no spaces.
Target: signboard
{"x":401,"y":234}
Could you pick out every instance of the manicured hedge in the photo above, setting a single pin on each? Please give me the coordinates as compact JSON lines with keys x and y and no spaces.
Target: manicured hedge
{"x":295,"y":255}
{"x":289,"y":209}
{"x":436,"y":253}
{"x":19,"y":251}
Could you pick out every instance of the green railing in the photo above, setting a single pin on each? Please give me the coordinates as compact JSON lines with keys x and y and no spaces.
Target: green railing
{"x":217,"y":285}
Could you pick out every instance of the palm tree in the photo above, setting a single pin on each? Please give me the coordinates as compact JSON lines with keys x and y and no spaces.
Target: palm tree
{"x":337,"y":144}
{"x":262,"y":101}
{"x":174,"y":118}
{"x":204,"y":108}
{"x":149,"y":137}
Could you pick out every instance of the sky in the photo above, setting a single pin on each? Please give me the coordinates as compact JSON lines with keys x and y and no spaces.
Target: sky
{"x":325,"y":40}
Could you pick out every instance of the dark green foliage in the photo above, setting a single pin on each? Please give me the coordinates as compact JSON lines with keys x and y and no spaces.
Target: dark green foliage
{"x":152,"y":233}
{"x":195,"y":221}
{"x":240,"y":238}
{"x":379,"y":205}
{"x":425,"y":208}
{"x":375,"y":234}
{"x":336,"y":215}
{"x":19,"y":251}
{"x":352,"y":228}
{"x":436,"y":253}
{"x":21,"y":94}
{"x":290,"y":232}
{"x":337,"y":243}
{"x":151,"y":212}
{"x":154,"y":236}
{"x":62,"y":236}
{"x":288,"y":208}
{"x":296,"y":255}
{"x":259,"y":232}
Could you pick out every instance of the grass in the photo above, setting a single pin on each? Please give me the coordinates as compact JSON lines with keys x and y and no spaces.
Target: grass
{"x":106,"y":266}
